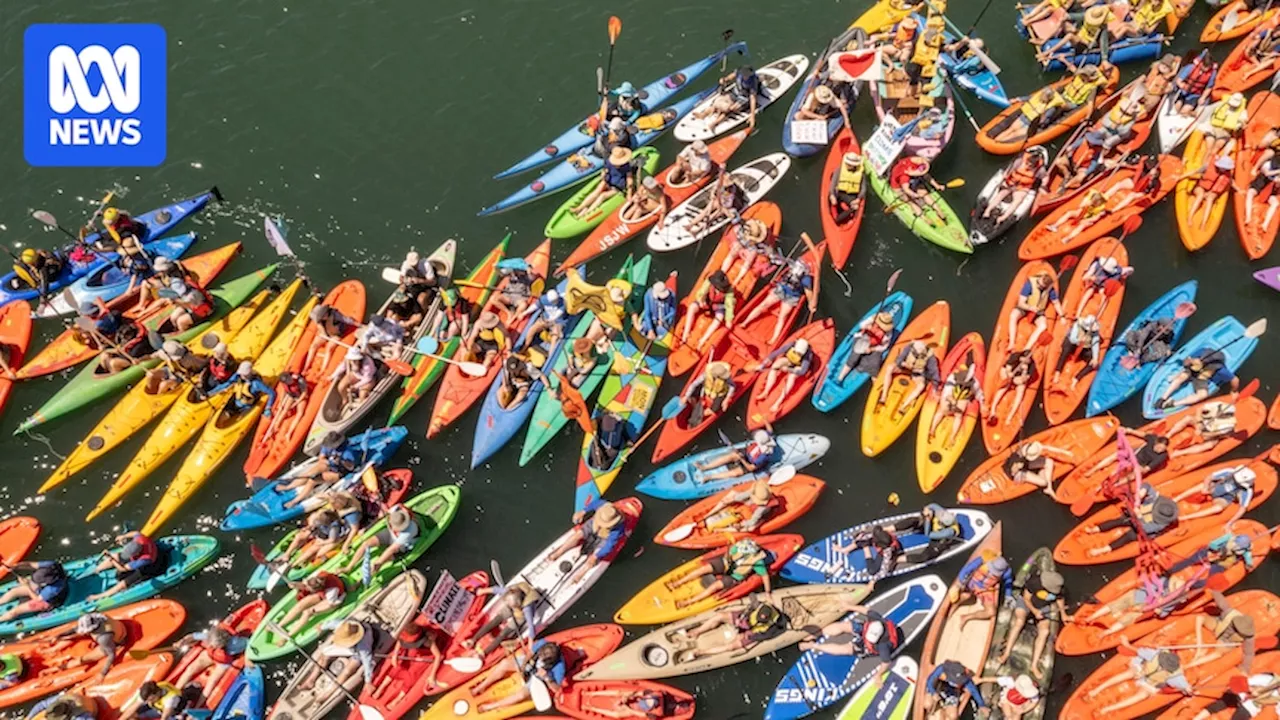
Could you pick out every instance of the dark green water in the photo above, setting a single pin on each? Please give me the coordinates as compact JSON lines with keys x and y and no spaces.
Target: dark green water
{"x":371,"y":127}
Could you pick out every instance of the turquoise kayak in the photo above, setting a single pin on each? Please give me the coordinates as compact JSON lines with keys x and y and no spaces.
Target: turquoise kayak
{"x":681,"y":480}
{"x":1221,"y":335}
{"x":830,"y":394}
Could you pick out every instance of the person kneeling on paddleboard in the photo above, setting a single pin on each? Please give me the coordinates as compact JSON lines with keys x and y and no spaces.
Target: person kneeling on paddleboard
{"x":1222,"y":489}
{"x":138,"y":558}
{"x":985,"y":579}
{"x":353,"y":644}
{"x":547,"y":662}
{"x":794,"y":360}
{"x":1018,"y":696}
{"x":916,"y":363}
{"x":722,"y":573}
{"x":881,"y":551}
{"x":709,"y":393}
{"x":1042,"y":598}
{"x":1152,"y":670}
{"x":948,"y":689}
{"x":598,"y":533}
{"x":1152,"y":515}
{"x":46,"y":589}
{"x":760,"y":452}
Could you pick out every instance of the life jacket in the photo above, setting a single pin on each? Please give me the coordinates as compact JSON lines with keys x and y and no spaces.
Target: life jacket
{"x":150,"y":550}
{"x":1022,"y":175}
{"x":1078,"y":90}
{"x":903,"y":35}
{"x":222,"y":370}
{"x":1150,"y":13}
{"x":491,"y":335}
{"x":168,"y":691}
{"x":243,"y":392}
{"x":875,"y":334}
{"x":331,"y":582}
{"x":961,"y":386}
{"x":927,"y":49}
{"x":1033,"y":107}
{"x":868,"y":647}
{"x":1157,"y":676}
{"x":297,"y":387}
{"x":794,"y":356}
{"x":762,"y":619}
{"x":1039,"y":297}
{"x":715,"y":298}
{"x":849,"y":181}
{"x":1227,"y":119}
{"x":715,"y":387}
{"x":1088,"y":33}
{"x":983,"y":579}
{"x":915,"y":362}
{"x":738,"y":560}
{"x":756,"y":452}
{"x":1120,"y":115}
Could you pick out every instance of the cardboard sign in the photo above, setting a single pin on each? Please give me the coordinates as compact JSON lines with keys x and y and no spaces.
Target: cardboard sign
{"x":448,"y":603}
{"x":881,"y":149}
{"x":809,"y":132}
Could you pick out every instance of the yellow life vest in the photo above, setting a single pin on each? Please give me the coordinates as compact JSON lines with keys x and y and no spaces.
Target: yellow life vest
{"x":168,"y":691}
{"x":960,"y":388}
{"x":1227,"y":119}
{"x":1120,"y":115}
{"x":794,"y":357}
{"x":1078,"y":90}
{"x":1033,"y":107}
{"x":849,"y":181}
{"x":1089,"y":33}
{"x":1149,"y":14}
{"x":492,"y":335}
{"x":715,"y":387}
{"x":927,"y":49}
{"x":1039,"y":297}
{"x":1092,"y":211}
{"x":244,"y":393}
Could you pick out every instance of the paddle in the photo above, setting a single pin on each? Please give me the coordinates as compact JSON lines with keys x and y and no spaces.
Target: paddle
{"x":367,"y":712}
{"x":955,"y":96}
{"x":275,"y":238}
{"x":539,"y":693}
{"x":1131,"y":361}
{"x":1265,"y":642}
{"x":615,"y":29}
{"x":680,"y":532}
{"x":47,"y":218}
{"x":429,"y":345}
{"x":725,"y":36}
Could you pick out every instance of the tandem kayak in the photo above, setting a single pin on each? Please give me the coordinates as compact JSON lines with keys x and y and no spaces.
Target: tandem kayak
{"x":681,"y":480}
{"x":1223,"y":336}
{"x":832,"y":392}
{"x":1238,"y":72}
{"x":1024,"y":645}
{"x":884,"y":422}
{"x":109,"y":281}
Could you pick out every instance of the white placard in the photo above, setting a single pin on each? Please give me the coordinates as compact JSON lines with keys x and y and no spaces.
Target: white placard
{"x":809,"y":132}
{"x":448,"y":603}
{"x":881,"y":149}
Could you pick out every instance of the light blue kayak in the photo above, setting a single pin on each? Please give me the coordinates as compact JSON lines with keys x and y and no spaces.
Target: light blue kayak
{"x":681,"y":480}
{"x":246,"y":699}
{"x":1113,"y":384}
{"x":830,"y":394}
{"x":834,"y":124}
{"x":109,"y":281}
{"x":1219,"y":336}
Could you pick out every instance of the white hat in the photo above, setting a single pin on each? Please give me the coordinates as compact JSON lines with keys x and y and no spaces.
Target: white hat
{"x":1089,"y":322}
{"x":802,"y":346}
{"x":699,"y":146}
{"x":761,"y":437}
{"x":173,"y":348}
{"x":1110,"y":264}
{"x":220,"y":349}
{"x":1026,"y":687}
{"x":873,"y":631}
{"x":411,"y":258}
{"x":355,"y":353}
{"x":551,"y":297}
{"x":245,"y":369}
{"x":661,"y":291}
{"x":1245,"y":476}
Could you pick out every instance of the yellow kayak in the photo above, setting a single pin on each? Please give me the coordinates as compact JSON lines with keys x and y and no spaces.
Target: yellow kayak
{"x":883,"y":15}
{"x":936,"y":455}
{"x":224,"y":431}
{"x":190,"y":412}
{"x":883,"y":423}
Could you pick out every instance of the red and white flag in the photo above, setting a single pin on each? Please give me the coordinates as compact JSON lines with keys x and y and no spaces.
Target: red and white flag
{"x":863,"y":64}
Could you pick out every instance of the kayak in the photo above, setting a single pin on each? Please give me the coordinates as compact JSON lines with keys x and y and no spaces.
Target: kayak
{"x":655,"y":93}
{"x":1221,"y":335}
{"x":985,"y":229}
{"x":1023,"y":649}
{"x":146,"y":624}
{"x":598,"y":700}
{"x":818,"y":680}
{"x":884,"y":422}
{"x":945,"y":230}
{"x":1143,"y":47}
{"x":852,"y":38}
{"x":183,"y":554}
{"x":108,"y":695}
{"x":660,"y":653}
{"x":15,"y":336}
{"x":840,"y":236}
{"x":458,"y":391}
{"x":240,"y":623}
{"x":246,"y":698}
{"x":1044,"y":241}
{"x":1010,"y":412}
{"x":913,"y":144}
{"x":831,"y":391}
{"x":1112,"y":383}
{"x":433,"y":510}
{"x":154,"y":225}
{"x":1064,"y":392}
{"x":1234,"y":20}
{"x":278,"y":438}
{"x":821,"y":336}
{"x":1269,"y":277}
{"x":972,"y":75}
{"x":882,"y":15}
{"x":987,"y":137}
{"x":681,"y":480}
{"x":93,"y":382}
{"x":1074,"y":548}
{"x":1237,"y":73}
{"x":776,"y":79}
{"x":756,"y":178}
{"x":1198,"y":231}
{"x":66,"y":349}
{"x":656,"y":604}
{"x":426,"y":371}
{"x":822,"y":562}
{"x":109,"y":281}
{"x":891,"y":699}
{"x":1172,"y":127}
{"x":1087,"y":701}
{"x":564,"y":224}
{"x":1257,"y":231}
{"x":1265,"y":668}
{"x":1079,"y":638}
{"x":267,"y":506}
{"x":793,"y":499}
{"x":990,"y":482}
{"x":17,"y":536}
{"x":614,"y":230}
{"x":936,"y":453}
{"x":685,"y":355}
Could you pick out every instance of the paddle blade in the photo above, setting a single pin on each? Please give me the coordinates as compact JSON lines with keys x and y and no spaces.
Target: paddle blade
{"x":539,"y":693}
{"x":256,"y":553}
{"x":427,"y":345}
{"x":368,"y":712}
{"x":391,"y":275}
{"x":1067,"y":263}
{"x":782,"y":475}
{"x":615,"y":29}
{"x":1081,"y":506}
{"x":1132,"y":224}
{"x":474,"y":369}
{"x":398,"y":366}
{"x":678,"y":533}
{"x":465,"y":664}
{"x":1184,"y":310}
{"x":672,"y":408}
{"x":1238,"y":684}
{"x":1111,"y":287}
{"x":369,"y":479}
{"x":1256,"y":330}
{"x":1249,"y":389}
{"x":955,"y":183}
{"x":893,"y":280}
{"x":275,"y":238}
{"x":495,"y":573}
{"x":1217,"y":582}
{"x":139,"y":654}
{"x":45,"y":217}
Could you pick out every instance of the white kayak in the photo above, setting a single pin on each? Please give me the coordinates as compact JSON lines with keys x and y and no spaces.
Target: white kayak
{"x":1174,"y":128}
{"x":757,"y":178}
{"x":777,"y":78}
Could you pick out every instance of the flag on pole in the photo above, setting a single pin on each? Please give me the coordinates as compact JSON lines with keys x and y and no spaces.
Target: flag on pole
{"x":862,"y":64}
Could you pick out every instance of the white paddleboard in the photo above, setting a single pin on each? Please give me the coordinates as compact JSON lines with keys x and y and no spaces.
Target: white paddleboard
{"x":777,"y":78}
{"x":757,"y":178}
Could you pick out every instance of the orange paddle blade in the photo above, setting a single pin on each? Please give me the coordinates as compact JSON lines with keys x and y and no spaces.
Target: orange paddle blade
{"x":615,"y":28}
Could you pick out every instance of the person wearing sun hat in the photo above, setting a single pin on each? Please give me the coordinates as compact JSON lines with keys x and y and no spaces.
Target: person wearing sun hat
{"x":1101,"y":272}
{"x":910,"y":180}
{"x":1034,"y":462}
{"x":1043,"y":599}
{"x":396,"y":537}
{"x":626,"y":101}
{"x":847,"y":188}
{"x":658,"y":317}
{"x":354,"y":643}
{"x":871,"y":341}
{"x":753,"y":240}
{"x":1017,"y":696}
{"x":946,"y":689}
{"x":1082,"y":342}
{"x":716,"y":298}
{"x":488,"y":338}
{"x":650,"y":198}
{"x":822,"y":104}
{"x":599,"y":531}
{"x":710,"y":392}
{"x":1152,"y":670}
{"x":793,"y":359}
{"x":1225,"y":123}
{"x":962,"y":387}
{"x":619,"y":176}
{"x":1155,"y":513}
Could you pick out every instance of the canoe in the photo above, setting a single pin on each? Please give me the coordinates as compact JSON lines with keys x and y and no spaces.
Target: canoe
{"x":383,"y":613}
{"x":93,"y":383}
{"x":66,"y":349}
{"x":146,"y":623}
{"x":269,"y":453}
{"x":756,"y":178}
{"x":17,"y":536}
{"x":458,"y":391}
{"x":241,"y":623}
{"x":155,"y":225}
{"x":831,"y":393}
{"x":819,"y":680}
{"x":776,"y":78}
{"x":890,"y":700}
{"x":1216,"y":336}
{"x":990,"y":483}
{"x":681,"y":480}
{"x":110,"y":694}
{"x":433,"y":510}
{"x":984,"y":230}
{"x":884,"y":422}
{"x":821,"y":336}
{"x":1198,"y":231}
{"x":934,"y":456}
{"x":965,"y":643}
{"x":564,"y":225}
{"x":1042,"y":242}
{"x":1074,"y":547}
{"x":986,"y":138}
{"x":598,"y":700}
{"x":1112,"y":383}
{"x":1265,"y":668}
{"x":1256,"y":237}
{"x":246,"y":699}
{"x":1237,"y":73}
{"x":1261,"y":605}
{"x":1233,"y":20}
{"x":949,"y":234}
{"x":15,"y":337}
{"x":822,"y":563}
{"x":1019,"y":662}
{"x":794,"y":498}
{"x":1009,"y":418}
{"x":656,"y":655}
{"x":426,"y":371}
{"x":614,"y":231}
{"x":266,"y":507}
{"x":1079,"y":638}
{"x":840,"y":236}
{"x":882,"y":15}
{"x":108,"y":282}
{"x":656,"y":93}
{"x":851,"y":39}
{"x":656,"y":603}
{"x":913,"y":143}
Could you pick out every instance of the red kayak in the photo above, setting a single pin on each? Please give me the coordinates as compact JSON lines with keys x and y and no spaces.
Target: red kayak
{"x":17,"y":536}
{"x":821,"y":335}
{"x":241,"y":623}
{"x":15,"y":336}
{"x":839,"y":236}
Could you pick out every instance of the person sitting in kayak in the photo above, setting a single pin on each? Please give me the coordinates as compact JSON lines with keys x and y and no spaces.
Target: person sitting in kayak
{"x":336,"y":460}
{"x":752,"y":241}
{"x":1018,"y":373}
{"x":403,"y":310}
{"x":1265,"y":188}
{"x":332,"y":327}
{"x":1025,"y":176}
{"x":710,"y":392}
{"x":626,"y":101}
{"x":1033,"y":463}
{"x":247,"y":389}
{"x":1262,"y":693}
{"x":356,"y":377}
{"x":162,"y":701}
{"x":581,"y":359}
{"x":794,"y":283}
{"x":1037,"y":295}
{"x":757,"y":456}
{"x":511,"y":616}
{"x":910,"y":179}
{"x":871,"y":341}
{"x":350,"y":512}
{"x":44,"y":587}
{"x":822,"y":104}
{"x":37,"y":269}
{"x":1101,"y":273}
{"x":214,"y":650}
{"x":1147,"y":20}
{"x":1215,"y":422}
{"x":794,"y":360}
{"x":546,"y":661}
{"x":488,"y":339}
{"x":1084,"y":215}
{"x":1082,"y":342}
{"x":1034,"y":113}
{"x":287,"y":413}
{"x":1158,"y":596}
{"x":324,"y":535}
{"x":107,"y":635}
{"x":1214,"y":180}
{"x":742,"y":511}
{"x":948,"y":689}
{"x":692,"y":165}
{"x":381,"y":337}
{"x":1157,"y":82}
{"x":352,"y":646}
{"x":100,"y":326}
{"x":419,"y":641}
{"x":1153,"y":514}
{"x":549,"y":325}
{"x":191,"y":303}
{"x":1043,"y":10}
{"x":619,"y":177}
{"x":728,"y":200}
{"x":517,"y":380}
{"x":846,"y":191}
{"x":613,"y":134}
{"x":69,"y":705}
{"x":1225,"y":124}
{"x":598,"y":534}
{"x":1078,"y":39}
{"x":644,"y":702}
{"x":521,"y":287}
{"x":420,"y":280}
{"x":658,"y":317}
{"x":454,"y":318}
{"x":317,"y":594}
{"x":759,"y":621}
{"x":881,"y":550}
{"x":137,"y":559}
{"x":984,"y":579}
{"x":612,"y":434}
{"x":12,"y":670}
{"x":1152,"y":671}
{"x":1017,"y":697}
{"x":923,"y":63}
{"x":164,"y":270}
{"x":1222,"y":489}
{"x":740,"y":90}
{"x":961,"y":387}
{"x":715,"y":297}
{"x":1204,"y":368}
{"x":736,"y":565}
{"x":1151,"y":341}
{"x":1192,"y":82}
{"x":1231,"y":629}
{"x":1043,"y":600}
{"x":396,"y":538}
{"x":649,"y":198}
{"x":918,"y":363}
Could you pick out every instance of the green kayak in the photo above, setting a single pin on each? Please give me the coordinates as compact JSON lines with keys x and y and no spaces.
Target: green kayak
{"x":548,"y":419}
{"x":89,"y":385}
{"x":941,"y":227}
{"x":564,"y":224}
{"x":434,"y":508}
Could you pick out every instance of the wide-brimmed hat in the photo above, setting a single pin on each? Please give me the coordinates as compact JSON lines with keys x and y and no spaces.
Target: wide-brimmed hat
{"x":824,"y":94}
{"x":399,"y":518}
{"x":1052,"y":581}
{"x":620,"y":156}
{"x":1032,"y":450}
{"x":760,"y":490}
{"x":661,"y":291}
{"x":1164,"y":509}
{"x":488,"y":320}
{"x":1095,"y":15}
{"x":607,"y":517}
{"x":348,"y":634}
{"x":852,"y":159}
{"x":719,"y":368}
{"x":755,"y":230}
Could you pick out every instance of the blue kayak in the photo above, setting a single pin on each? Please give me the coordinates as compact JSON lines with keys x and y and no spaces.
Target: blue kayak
{"x":585,"y":164}
{"x":975,"y":77}
{"x":1113,"y":384}
{"x":818,"y":680}
{"x":1221,"y":335}
{"x":183,"y":555}
{"x":266,"y":507}
{"x":157,"y":223}
{"x":821,"y":563}
{"x":830,"y":394}
{"x":658,"y":92}
{"x":839,"y":44}
{"x":680,"y":480}
{"x":246,"y":699}
{"x":1127,"y":50}
{"x":109,"y":281}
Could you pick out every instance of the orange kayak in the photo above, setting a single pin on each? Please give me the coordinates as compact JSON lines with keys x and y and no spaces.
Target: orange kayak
{"x":840,"y":236}
{"x":821,"y":335}
{"x":1256,"y":237}
{"x":241,"y":622}
{"x":598,"y":699}
{"x":108,"y":695}
{"x":1081,"y":637}
{"x":1234,"y":20}
{"x":1061,"y":398}
{"x":987,"y":137}
{"x":15,"y":334}
{"x":684,"y":356}
{"x":1238,"y":73}
{"x":1011,"y":411}
{"x":1190,"y":707}
{"x":792,"y":499}
{"x":1074,"y":548}
{"x":990,"y":482}
{"x":934,"y":455}
{"x":17,"y":536}
{"x":884,"y":422}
